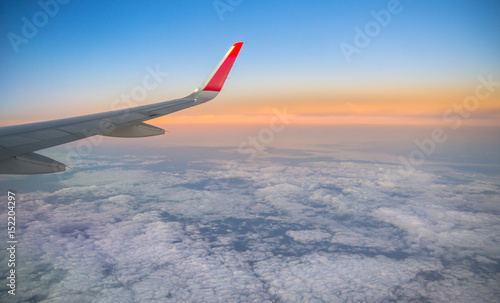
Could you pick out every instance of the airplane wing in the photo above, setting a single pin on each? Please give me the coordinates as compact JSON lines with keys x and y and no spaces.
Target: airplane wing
{"x":18,"y":142}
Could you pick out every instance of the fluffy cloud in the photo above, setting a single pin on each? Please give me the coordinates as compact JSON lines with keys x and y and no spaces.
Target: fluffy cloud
{"x":276,"y":231}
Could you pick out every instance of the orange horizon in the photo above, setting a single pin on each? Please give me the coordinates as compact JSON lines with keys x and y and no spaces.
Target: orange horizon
{"x":478,"y":118}
{"x":332,"y":106}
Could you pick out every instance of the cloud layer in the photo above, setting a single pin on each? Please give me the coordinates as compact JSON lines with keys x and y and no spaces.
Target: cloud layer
{"x":266,"y":231}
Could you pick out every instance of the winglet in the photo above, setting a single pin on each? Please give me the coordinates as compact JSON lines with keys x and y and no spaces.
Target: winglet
{"x":218,"y":76}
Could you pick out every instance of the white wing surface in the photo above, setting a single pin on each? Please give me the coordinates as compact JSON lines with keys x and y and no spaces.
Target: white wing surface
{"x":19,"y":142}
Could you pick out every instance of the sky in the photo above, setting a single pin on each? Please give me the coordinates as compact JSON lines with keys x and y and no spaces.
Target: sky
{"x":420,"y":60}
{"x":351,"y":156}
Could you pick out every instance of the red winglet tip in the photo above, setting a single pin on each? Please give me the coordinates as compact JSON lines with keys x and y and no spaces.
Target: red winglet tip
{"x":218,"y":79}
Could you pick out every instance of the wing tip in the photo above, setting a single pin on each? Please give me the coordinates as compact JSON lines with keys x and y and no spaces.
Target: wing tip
{"x":217,"y":79}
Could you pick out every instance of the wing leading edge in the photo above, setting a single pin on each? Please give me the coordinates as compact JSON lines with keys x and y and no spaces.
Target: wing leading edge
{"x":18,"y":142}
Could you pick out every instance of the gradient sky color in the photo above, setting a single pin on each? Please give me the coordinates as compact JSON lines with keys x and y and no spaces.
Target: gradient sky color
{"x":426,"y":59}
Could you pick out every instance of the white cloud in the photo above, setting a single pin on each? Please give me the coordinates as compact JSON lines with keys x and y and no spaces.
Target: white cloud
{"x":251,"y":232}
{"x":308,"y":235}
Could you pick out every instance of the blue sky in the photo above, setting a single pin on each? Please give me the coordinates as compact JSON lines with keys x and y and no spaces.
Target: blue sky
{"x":91,"y":51}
